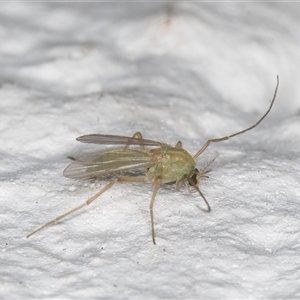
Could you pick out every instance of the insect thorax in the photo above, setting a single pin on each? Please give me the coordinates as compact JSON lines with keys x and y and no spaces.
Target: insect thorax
{"x":171,"y":164}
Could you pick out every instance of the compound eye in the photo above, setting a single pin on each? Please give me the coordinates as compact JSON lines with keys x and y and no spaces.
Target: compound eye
{"x":194,"y":177}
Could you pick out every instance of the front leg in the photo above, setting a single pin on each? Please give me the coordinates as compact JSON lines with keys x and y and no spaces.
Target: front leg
{"x":156,"y":183}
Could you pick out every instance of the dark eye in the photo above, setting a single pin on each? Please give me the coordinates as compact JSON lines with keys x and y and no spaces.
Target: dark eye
{"x":194,"y":177}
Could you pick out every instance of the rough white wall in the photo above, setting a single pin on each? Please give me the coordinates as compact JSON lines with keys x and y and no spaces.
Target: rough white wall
{"x":174,"y":71}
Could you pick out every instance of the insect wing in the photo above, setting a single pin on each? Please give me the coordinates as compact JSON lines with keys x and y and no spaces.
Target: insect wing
{"x":98,"y":164}
{"x":106,"y":139}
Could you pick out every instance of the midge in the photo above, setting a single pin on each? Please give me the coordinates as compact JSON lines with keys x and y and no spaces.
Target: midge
{"x":162,"y":164}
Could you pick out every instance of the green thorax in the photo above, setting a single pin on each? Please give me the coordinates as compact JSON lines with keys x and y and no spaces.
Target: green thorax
{"x":171,"y":164}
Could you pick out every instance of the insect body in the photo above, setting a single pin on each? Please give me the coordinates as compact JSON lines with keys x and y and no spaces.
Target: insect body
{"x":162,"y":163}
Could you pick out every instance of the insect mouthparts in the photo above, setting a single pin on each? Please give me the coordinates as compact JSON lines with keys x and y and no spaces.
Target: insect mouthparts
{"x":193,"y":178}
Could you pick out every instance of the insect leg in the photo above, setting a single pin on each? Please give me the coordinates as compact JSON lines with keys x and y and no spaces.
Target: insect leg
{"x":89,"y":201}
{"x":137,"y":135}
{"x":156,"y":184}
{"x":224,"y":138}
{"x":179,"y":182}
{"x":178,"y":145}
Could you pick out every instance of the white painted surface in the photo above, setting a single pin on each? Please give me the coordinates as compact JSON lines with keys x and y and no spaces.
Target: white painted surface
{"x":174,"y":71}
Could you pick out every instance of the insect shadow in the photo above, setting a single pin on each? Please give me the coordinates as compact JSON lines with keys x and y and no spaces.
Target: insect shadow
{"x":162,"y":163}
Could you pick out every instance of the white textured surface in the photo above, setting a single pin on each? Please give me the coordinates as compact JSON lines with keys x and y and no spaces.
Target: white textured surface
{"x":174,"y":71}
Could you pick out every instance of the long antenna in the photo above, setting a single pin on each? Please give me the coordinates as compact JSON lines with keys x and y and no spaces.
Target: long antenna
{"x":240,"y":132}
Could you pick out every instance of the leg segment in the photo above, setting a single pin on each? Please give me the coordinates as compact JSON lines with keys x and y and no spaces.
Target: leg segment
{"x":90,"y":200}
{"x":178,"y":145}
{"x":137,"y":135}
{"x":156,"y":184}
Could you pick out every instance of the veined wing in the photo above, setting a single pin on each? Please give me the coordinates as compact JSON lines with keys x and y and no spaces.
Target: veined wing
{"x":98,"y":164}
{"x":106,"y":139}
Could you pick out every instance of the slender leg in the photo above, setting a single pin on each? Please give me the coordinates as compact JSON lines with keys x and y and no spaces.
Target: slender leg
{"x":90,"y":200}
{"x":137,"y":135}
{"x":180,"y":181}
{"x":224,"y":138}
{"x":178,"y":145}
{"x":156,"y":184}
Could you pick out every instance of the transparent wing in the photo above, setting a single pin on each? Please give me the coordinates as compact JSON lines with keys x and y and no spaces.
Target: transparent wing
{"x":106,"y":139}
{"x":98,"y":164}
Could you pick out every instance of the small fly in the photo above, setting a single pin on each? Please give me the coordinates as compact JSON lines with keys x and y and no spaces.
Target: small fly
{"x":162,"y":164}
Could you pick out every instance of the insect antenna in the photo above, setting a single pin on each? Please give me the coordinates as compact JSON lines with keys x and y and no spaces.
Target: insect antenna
{"x":192,"y":183}
{"x":206,"y":169}
{"x":224,"y":138}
